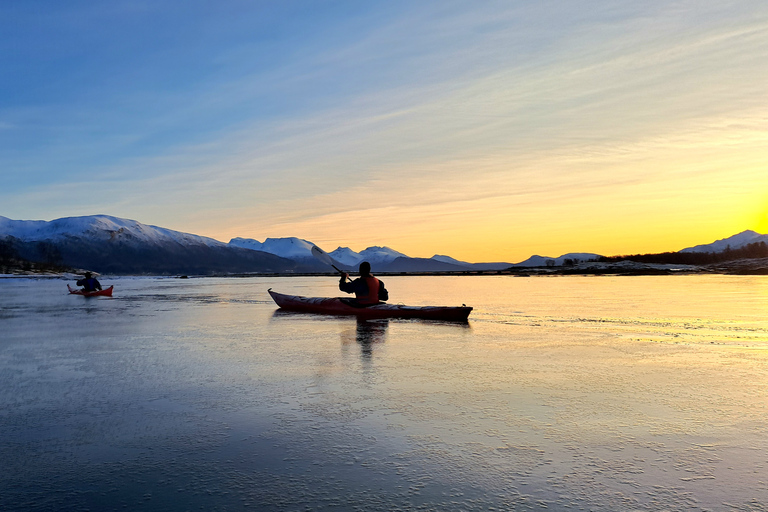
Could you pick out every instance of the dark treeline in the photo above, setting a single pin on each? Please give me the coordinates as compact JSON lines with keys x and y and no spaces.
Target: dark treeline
{"x":44,"y":256}
{"x":750,"y":251}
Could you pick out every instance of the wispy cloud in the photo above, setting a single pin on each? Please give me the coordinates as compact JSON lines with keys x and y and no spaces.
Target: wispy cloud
{"x":428,"y":117}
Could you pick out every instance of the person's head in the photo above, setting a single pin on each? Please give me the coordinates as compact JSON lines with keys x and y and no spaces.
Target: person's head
{"x":365,"y":269}
{"x":87,"y":275}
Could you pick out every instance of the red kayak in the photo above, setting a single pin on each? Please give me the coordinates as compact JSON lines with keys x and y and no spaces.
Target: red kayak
{"x":337,"y":306}
{"x":106,"y":292}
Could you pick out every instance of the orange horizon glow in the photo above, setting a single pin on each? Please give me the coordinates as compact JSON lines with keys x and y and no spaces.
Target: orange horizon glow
{"x":482,"y":132}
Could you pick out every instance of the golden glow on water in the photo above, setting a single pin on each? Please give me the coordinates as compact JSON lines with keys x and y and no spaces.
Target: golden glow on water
{"x":561,"y":393}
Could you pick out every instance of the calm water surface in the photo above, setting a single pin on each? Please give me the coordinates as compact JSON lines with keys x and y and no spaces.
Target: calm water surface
{"x":562,"y":393}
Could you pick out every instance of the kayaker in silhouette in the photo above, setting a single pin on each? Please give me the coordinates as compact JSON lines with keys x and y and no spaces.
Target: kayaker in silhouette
{"x":367,"y":289}
{"x":89,"y":283}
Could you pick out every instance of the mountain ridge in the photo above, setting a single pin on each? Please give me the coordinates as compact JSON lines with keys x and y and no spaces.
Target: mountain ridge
{"x":104,"y":243}
{"x":736,"y":241}
{"x":107,"y":244}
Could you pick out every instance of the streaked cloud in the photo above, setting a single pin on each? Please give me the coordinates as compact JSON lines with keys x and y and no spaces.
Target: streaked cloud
{"x":482,"y":131}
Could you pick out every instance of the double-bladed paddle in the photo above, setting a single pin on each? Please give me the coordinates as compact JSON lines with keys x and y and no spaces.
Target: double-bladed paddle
{"x":324,"y":257}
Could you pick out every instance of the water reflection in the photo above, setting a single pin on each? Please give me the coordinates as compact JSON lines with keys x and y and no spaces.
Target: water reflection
{"x":367,"y":334}
{"x":566,"y":393}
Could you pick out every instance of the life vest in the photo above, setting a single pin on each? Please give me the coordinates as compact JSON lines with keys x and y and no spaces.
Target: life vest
{"x":372,"y":297}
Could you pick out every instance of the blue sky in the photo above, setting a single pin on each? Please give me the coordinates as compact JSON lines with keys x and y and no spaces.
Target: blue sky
{"x":483,"y":130}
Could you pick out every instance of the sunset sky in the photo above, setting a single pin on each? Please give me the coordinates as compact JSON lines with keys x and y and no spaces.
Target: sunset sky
{"x":487,"y":131}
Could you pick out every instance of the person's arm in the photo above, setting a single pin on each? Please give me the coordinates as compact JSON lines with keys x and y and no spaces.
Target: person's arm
{"x":346,"y":286}
{"x":96,"y":284}
{"x":383,"y":293}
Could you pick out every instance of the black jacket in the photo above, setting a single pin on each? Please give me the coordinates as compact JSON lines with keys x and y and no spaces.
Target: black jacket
{"x":89,"y":284}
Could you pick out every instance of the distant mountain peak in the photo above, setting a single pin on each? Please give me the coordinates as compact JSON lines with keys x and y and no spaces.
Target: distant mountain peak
{"x":109,"y":244}
{"x":98,"y":227}
{"x":545,"y":261}
{"x":346,"y":256}
{"x":380,"y":254}
{"x":447,"y":259}
{"x":288,"y":247}
{"x":124,"y":245}
{"x":736,"y":241}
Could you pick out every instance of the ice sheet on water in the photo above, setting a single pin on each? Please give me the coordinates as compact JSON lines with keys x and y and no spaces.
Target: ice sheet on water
{"x":560,"y":394}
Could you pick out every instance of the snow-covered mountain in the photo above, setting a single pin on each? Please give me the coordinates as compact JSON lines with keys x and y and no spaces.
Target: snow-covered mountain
{"x":734,"y":242}
{"x":346,"y":256}
{"x":108,"y":244}
{"x":113,"y":245}
{"x":99,"y":227}
{"x":377,"y":255}
{"x":544,"y":261}
{"x":299,"y":249}
{"x":292,"y":247}
{"x":382,"y":259}
{"x":296,"y":249}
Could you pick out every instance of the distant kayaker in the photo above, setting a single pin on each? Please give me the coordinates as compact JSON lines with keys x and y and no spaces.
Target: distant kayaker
{"x":367,"y":289}
{"x":89,"y":283}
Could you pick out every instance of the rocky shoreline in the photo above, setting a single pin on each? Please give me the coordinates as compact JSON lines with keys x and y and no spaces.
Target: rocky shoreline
{"x":736,"y":267}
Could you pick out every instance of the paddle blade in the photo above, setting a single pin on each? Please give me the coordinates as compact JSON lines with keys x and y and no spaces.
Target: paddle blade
{"x":324,"y":257}
{"x":321,"y":255}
